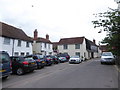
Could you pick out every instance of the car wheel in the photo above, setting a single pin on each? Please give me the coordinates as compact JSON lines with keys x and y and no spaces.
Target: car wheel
{"x":32,"y":70}
{"x":19,"y":71}
{"x":5,"y":77}
{"x":101,"y":62}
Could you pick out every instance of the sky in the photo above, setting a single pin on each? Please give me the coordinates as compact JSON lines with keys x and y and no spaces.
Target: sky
{"x":57,"y":18}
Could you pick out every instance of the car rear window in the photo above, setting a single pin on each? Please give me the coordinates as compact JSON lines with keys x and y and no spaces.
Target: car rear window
{"x":4,"y":57}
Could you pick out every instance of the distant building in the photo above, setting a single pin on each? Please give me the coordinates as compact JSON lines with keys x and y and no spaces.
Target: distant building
{"x":42,"y":45}
{"x":103,"y":48}
{"x":78,"y":46}
{"x":14,"y":41}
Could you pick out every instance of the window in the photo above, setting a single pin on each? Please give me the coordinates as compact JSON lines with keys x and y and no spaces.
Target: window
{"x":27,"y":44}
{"x":49,"y":46}
{"x":77,"y":46}
{"x":27,"y":53}
{"x":45,"y":45}
{"x":19,"y":42}
{"x":16,"y":53}
{"x":22,"y":53}
{"x":77,"y":54}
{"x":7,"y":41}
{"x":65,"y":46}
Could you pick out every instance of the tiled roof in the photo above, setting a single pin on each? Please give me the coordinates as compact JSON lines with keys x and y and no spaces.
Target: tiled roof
{"x":74,"y":40}
{"x":39,"y":39}
{"x":13,"y":32}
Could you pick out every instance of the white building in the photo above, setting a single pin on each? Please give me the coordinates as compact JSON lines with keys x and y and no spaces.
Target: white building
{"x":42,"y":45}
{"x":14,"y":41}
{"x":78,"y":46}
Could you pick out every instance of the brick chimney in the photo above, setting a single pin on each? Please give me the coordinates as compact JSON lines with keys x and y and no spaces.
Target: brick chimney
{"x":47,"y":36}
{"x":35,"y":34}
{"x":94,"y":41}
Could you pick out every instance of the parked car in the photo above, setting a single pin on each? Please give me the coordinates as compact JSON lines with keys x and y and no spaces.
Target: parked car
{"x":48,"y":60}
{"x":64,"y":55}
{"x":75,"y":59}
{"x":107,"y":57}
{"x":21,"y":65}
{"x":39,"y":60}
{"x":55,"y":59}
{"x":5,"y":65}
{"x":62,"y":59}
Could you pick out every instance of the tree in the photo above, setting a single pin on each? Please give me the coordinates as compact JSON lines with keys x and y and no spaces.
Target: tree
{"x":110,"y":22}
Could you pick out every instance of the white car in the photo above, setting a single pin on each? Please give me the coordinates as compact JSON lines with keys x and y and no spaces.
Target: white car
{"x":75,"y":59}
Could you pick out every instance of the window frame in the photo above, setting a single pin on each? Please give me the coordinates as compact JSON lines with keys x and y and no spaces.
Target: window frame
{"x":19,"y":43}
{"x":6,"y":41}
{"x":65,"y":46}
{"x":77,"y":46}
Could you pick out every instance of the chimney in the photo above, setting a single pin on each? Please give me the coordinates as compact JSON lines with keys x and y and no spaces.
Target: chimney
{"x":47,"y":36}
{"x":35,"y":34}
{"x":94,"y":41}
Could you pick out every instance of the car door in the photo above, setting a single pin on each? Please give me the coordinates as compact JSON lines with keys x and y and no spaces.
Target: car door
{"x":15,"y":63}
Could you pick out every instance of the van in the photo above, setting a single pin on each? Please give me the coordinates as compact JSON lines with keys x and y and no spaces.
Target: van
{"x":5,"y":65}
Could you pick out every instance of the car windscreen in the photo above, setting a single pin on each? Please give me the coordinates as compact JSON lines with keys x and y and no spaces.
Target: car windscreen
{"x":28,"y":58}
{"x":75,"y":57}
{"x":107,"y":54}
{"x":4,"y":58}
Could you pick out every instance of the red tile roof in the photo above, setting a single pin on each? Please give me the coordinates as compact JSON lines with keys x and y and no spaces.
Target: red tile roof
{"x":39,"y":39}
{"x":74,"y":40}
{"x":13,"y":32}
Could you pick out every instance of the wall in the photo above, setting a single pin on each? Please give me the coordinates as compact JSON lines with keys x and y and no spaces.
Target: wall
{"x":48,"y":49}
{"x":9,"y":47}
{"x":36,"y":47}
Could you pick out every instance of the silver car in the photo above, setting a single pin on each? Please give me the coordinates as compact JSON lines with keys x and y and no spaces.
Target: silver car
{"x":107,"y":57}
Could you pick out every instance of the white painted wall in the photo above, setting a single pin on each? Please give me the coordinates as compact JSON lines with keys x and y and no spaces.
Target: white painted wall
{"x":40,"y":46}
{"x":9,"y":47}
{"x":37,"y":47}
{"x":47,"y":49}
{"x":5,"y":47}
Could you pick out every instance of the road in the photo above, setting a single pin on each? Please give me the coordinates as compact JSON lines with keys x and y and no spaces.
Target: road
{"x":88,"y":74}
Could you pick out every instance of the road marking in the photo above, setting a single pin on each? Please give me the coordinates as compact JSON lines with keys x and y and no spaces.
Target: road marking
{"x":117,"y":68}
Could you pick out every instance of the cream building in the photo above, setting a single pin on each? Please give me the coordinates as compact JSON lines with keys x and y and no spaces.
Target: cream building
{"x":42,"y":45}
{"x":80,"y":46}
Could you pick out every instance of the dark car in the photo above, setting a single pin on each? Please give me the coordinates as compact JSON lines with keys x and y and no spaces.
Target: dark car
{"x":5,"y":65}
{"x":21,"y":65}
{"x":55,"y":59}
{"x":48,"y":60}
{"x":62,"y":59}
{"x":39,"y":60}
{"x":64,"y":55}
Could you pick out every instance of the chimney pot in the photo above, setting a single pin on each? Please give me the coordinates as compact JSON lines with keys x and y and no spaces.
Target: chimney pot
{"x":35,"y":34}
{"x":47,"y":36}
{"x":94,"y":41}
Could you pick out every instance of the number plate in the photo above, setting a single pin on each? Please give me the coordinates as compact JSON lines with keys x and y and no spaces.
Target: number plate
{"x":32,"y":63}
{"x":2,"y":70}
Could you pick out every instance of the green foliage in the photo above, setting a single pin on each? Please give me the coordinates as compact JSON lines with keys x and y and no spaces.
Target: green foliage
{"x":110,"y":22}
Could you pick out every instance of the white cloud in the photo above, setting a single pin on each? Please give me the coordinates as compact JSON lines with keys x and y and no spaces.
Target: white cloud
{"x":58,"y":18}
